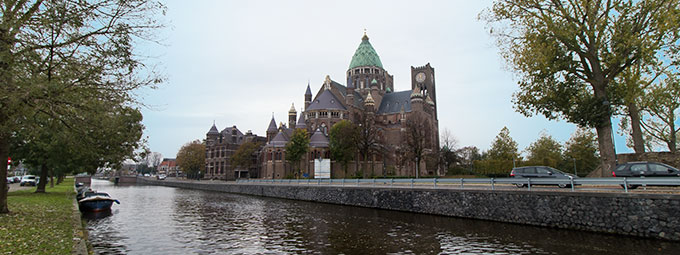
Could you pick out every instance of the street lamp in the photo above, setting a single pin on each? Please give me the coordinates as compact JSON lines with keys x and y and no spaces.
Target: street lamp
{"x":417,"y":165}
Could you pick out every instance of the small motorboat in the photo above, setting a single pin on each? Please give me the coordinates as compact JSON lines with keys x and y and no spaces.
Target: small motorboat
{"x":96,"y":202}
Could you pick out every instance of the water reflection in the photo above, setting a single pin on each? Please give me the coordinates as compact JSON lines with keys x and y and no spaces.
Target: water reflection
{"x":162,"y":220}
{"x":91,"y":216}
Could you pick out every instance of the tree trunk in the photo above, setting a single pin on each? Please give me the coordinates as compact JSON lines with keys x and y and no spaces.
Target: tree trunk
{"x":43,"y":179}
{"x":634,"y":114}
{"x":4,"y":153}
{"x":674,"y":136}
{"x":606,"y":145}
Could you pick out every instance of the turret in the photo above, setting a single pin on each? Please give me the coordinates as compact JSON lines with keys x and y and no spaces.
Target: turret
{"x":272,"y":130}
{"x":212,"y":135}
{"x":292,"y":116}
{"x":376,"y":92}
{"x":416,"y":100}
{"x":308,"y":96}
{"x":369,"y":104}
{"x":429,"y":101}
{"x":301,"y":121}
{"x":349,"y":99}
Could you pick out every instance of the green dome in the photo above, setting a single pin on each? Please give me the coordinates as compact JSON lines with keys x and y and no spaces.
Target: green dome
{"x":365,"y":55}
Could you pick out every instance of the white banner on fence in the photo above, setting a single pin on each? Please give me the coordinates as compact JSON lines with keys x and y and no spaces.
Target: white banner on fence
{"x":322,"y":168}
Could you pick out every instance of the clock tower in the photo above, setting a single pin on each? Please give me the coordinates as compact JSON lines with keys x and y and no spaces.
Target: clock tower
{"x":423,"y":78}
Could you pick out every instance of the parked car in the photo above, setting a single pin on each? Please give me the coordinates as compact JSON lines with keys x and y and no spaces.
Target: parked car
{"x":17,"y":179}
{"x":10,"y":180}
{"x":644,"y":169}
{"x":161,"y":177}
{"x":28,"y":180}
{"x":540,"y":172}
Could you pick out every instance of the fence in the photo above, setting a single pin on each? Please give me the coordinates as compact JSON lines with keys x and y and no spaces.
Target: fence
{"x":625,"y":182}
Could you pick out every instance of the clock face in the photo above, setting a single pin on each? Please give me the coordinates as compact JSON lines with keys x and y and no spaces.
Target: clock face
{"x":420,"y":77}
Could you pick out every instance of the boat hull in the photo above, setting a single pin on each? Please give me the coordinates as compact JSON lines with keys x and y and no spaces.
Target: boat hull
{"x":95,"y":205}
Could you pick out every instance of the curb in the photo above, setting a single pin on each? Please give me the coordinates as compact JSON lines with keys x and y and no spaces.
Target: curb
{"x":80,"y":242}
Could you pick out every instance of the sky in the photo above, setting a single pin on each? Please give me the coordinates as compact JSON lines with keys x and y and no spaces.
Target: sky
{"x":239,"y":62}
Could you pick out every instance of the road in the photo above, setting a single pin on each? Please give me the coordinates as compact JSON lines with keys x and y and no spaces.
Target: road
{"x":478,"y":186}
{"x":16,"y":186}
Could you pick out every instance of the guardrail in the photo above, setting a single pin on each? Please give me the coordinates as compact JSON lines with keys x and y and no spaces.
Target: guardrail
{"x":625,"y":182}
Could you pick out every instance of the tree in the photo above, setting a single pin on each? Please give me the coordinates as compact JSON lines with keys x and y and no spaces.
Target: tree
{"x":568,"y":54}
{"x":367,"y":138}
{"x":581,"y":152}
{"x":663,"y":106}
{"x":342,"y":142}
{"x":50,"y":147}
{"x":243,"y":157}
{"x":53,"y":50}
{"x":447,"y":153}
{"x":418,"y":139}
{"x":545,"y":151}
{"x":155,"y":159}
{"x":297,"y":147}
{"x":191,"y":158}
{"x":632,"y":85}
{"x":501,"y":157}
{"x":467,"y":155}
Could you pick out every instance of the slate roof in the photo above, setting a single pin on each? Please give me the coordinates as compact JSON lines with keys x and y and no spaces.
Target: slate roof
{"x":318,"y":140}
{"x":309,"y":91}
{"x":392,"y":102}
{"x":280,"y":140}
{"x":272,"y":125}
{"x":365,"y":55}
{"x":301,"y":121}
{"x":358,"y":99}
{"x":326,"y":101}
{"x":213,"y":130}
{"x":227,"y":131}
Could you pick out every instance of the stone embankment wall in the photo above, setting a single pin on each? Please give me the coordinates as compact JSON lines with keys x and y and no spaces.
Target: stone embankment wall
{"x":644,"y":215}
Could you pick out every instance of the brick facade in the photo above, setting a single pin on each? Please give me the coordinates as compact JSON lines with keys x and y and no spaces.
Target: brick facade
{"x":369,"y":93}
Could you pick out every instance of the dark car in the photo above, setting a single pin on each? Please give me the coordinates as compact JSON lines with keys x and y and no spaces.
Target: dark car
{"x":646,"y":169}
{"x":540,"y":172}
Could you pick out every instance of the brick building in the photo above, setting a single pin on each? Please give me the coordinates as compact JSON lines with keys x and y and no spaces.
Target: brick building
{"x":220,"y":146}
{"x":368,"y":95}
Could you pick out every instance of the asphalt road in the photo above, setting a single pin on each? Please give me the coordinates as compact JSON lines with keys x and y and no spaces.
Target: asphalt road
{"x":16,"y":186}
{"x":474,"y":186}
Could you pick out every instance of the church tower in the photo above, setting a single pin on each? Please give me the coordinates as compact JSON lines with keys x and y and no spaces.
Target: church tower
{"x":423,"y":78}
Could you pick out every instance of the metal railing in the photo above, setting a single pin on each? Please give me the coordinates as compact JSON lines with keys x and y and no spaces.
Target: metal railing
{"x":625,"y":182}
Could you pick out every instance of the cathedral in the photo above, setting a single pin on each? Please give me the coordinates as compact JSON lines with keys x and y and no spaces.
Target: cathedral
{"x":368,"y":95}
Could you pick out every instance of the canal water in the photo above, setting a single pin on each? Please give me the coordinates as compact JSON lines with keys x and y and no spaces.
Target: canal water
{"x":164,"y":220}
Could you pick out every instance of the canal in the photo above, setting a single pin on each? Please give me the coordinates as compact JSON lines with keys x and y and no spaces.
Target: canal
{"x":164,"y":220}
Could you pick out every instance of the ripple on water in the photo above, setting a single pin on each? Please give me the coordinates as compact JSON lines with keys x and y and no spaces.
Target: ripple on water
{"x":162,"y":220}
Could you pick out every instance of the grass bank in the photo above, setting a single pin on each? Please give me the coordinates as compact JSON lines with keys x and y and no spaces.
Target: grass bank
{"x":38,"y":223}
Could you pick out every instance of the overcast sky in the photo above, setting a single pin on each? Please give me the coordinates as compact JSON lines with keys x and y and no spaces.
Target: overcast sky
{"x":236,"y":62}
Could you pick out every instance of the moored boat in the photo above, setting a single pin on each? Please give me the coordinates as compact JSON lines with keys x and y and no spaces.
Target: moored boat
{"x":96,"y":202}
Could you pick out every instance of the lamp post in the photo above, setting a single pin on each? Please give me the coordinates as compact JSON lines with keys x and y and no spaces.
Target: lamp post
{"x":417,"y":165}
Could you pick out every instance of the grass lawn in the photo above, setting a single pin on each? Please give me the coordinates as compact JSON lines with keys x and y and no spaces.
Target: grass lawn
{"x":38,"y":223}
